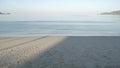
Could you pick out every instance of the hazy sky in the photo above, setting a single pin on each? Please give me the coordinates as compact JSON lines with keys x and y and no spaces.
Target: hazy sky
{"x":59,"y":6}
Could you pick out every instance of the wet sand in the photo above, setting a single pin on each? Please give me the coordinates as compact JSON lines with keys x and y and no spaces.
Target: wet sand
{"x":60,"y":52}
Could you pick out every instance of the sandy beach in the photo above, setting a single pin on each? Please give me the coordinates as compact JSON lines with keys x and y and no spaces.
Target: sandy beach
{"x":60,"y":52}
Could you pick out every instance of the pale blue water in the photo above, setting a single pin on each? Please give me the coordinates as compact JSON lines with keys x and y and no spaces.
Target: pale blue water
{"x":95,"y":26}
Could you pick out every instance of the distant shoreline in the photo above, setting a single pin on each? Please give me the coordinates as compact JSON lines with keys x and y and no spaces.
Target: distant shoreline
{"x":111,"y":13}
{"x":1,"y":13}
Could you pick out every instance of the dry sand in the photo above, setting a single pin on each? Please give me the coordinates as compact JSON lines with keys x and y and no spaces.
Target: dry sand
{"x":60,"y":52}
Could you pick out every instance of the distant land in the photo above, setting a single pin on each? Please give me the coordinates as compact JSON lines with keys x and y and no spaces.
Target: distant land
{"x":3,"y":13}
{"x":111,"y":13}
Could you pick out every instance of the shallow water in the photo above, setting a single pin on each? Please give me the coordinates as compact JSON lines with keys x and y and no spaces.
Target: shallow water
{"x":82,"y":26}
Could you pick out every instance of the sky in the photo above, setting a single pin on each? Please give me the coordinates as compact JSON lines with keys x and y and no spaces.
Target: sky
{"x":58,"y":7}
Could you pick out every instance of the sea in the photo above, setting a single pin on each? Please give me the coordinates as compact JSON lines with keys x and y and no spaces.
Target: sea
{"x":99,"y":25}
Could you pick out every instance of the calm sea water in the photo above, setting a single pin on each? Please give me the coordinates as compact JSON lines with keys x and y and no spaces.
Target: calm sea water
{"x":87,"y":26}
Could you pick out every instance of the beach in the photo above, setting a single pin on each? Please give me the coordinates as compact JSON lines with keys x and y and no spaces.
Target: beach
{"x":60,"y":52}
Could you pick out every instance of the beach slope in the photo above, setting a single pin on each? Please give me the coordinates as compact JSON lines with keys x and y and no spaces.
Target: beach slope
{"x":60,"y":52}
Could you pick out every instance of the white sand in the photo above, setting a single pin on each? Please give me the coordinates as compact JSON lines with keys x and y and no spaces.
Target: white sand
{"x":60,"y":52}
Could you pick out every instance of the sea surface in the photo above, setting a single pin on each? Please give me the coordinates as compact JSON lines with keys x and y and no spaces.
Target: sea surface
{"x":80,"y":26}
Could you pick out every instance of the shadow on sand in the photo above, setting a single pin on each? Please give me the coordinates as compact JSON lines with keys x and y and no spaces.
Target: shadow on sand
{"x":79,"y":52}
